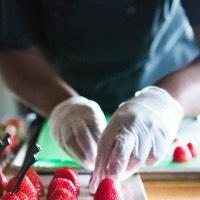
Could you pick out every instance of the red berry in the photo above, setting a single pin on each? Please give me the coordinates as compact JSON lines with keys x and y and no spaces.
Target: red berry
{"x":9,"y":196}
{"x":182,"y":154}
{"x":61,"y":183}
{"x":107,"y":190}
{"x":62,"y":194}
{"x":3,"y":183}
{"x":22,"y":196}
{"x":19,"y":125}
{"x":36,"y":181}
{"x":193,"y":148}
{"x":70,"y":174}
{"x":15,"y":122}
{"x":16,"y":196}
{"x":25,"y":187}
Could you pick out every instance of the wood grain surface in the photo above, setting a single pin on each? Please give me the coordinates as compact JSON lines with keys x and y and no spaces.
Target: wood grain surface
{"x":173,"y":190}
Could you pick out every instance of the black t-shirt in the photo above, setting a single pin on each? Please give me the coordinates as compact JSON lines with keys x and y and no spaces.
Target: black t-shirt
{"x":103,"y":48}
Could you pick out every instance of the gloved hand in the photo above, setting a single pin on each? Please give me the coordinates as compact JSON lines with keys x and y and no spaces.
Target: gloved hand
{"x":140,"y":132}
{"x":77,"y":124}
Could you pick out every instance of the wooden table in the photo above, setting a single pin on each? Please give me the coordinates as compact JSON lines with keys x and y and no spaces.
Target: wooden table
{"x":173,"y":190}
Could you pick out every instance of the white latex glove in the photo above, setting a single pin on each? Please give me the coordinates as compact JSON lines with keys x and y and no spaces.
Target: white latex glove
{"x":77,"y":124}
{"x":140,"y":132}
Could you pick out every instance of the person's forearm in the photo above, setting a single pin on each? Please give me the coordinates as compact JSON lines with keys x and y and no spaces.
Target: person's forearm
{"x":184,"y":86}
{"x":31,"y":78}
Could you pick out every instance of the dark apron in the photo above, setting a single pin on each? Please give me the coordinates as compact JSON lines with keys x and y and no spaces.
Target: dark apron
{"x":108,"y":49}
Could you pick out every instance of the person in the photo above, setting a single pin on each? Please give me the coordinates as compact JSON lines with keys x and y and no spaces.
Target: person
{"x":138,"y":59}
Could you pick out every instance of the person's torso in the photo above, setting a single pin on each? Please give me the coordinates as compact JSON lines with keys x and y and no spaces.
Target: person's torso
{"x":98,"y":31}
{"x":101,"y":47}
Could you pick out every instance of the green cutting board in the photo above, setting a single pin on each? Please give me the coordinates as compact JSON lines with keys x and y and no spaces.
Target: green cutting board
{"x":52,"y":156}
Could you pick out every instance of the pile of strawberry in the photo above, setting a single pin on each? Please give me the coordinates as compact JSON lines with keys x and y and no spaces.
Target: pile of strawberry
{"x":63,"y":186}
{"x":31,"y":187}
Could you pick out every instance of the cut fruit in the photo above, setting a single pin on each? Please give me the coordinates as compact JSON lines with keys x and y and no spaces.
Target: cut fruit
{"x":182,"y":154}
{"x":192,"y":146}
{"x":107,"y":190}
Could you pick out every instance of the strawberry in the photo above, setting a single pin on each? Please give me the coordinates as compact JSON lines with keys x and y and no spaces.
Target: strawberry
{"x":61,"y":183}
{"x":3,"y":183}
{"x":25,"y":187}
{"x":36,"y":181}
{"x":182,"y":154}
{"x":62,"y":194}
{"x":19,"y":125}
{"x":70,"y":174}
{"x":16,"y":196}
{"x":9,"y":196}
{"x":107,"y":190}
{"x":22,"y":196}
{"x":15,"y":122}
{"x":193,"y":148}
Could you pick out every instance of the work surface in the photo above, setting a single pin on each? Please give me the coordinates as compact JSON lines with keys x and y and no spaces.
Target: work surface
{"x":169,"y":188}
{"x":161,"y":190}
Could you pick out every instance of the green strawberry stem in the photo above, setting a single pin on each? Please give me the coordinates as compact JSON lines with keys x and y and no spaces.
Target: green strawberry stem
{"x":4,"y":142}
{"x":23,"y":171}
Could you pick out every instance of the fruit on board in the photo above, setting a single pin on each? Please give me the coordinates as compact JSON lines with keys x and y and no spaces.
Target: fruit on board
{"x":62,"y":194}
{"x":193,"y":147}
{"x":182,"y":154}
{"x":16,"y":196}
{"x":36,"y":181}
{"x":25,"y":187}
{"x":107,"y":190}
{"x":61,"y":183}
{"x":70,"y":174}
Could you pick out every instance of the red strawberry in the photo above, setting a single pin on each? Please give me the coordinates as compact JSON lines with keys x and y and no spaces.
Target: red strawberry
{"x":62,"y":194}
{"x":61,"y":183}
{"x":182,"y":154}
{"x":3,"y":183}
{"x":70,"y":174}
{"x":193,"y":148}
{"x":36,"y":181}
{"x":9,"y":196}
{"x":17,"y":196}
{"x":22,"y":196}
{"x":107,"y":190}
{"x":15,"y":122}
{"x":25,"y":187}
{"x":19,"y":125}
